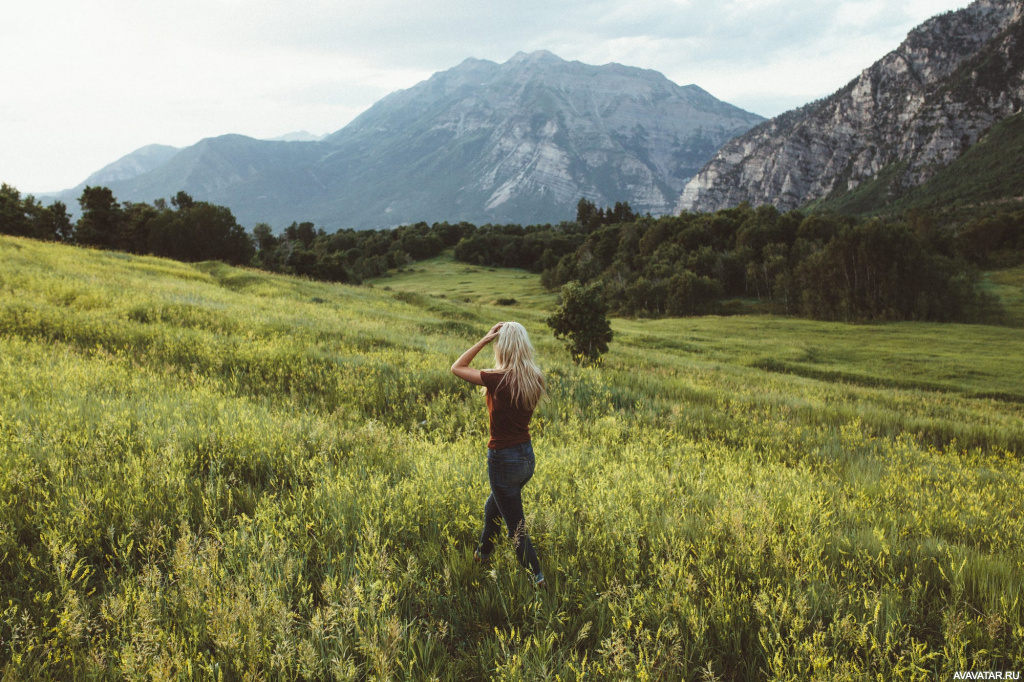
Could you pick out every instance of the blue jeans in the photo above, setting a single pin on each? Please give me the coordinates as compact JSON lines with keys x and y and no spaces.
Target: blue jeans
{"x":508,"y":470}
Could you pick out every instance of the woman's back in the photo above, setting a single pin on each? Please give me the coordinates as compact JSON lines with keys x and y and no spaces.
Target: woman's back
{"x":509,"y":416}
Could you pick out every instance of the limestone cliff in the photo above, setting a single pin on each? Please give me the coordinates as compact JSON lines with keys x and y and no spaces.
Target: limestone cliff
{"x":913,"y":111}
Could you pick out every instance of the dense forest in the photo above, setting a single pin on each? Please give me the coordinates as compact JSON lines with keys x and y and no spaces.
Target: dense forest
{"x":822,"y":266}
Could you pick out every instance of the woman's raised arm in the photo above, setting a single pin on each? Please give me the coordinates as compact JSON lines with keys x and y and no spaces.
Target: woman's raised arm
{"x":461,"y":366}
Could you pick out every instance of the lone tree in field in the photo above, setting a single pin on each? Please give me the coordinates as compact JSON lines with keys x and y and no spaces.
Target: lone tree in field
{"x":582,"y":321}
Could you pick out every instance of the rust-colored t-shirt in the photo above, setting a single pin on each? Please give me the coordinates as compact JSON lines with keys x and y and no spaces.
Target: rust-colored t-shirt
{"x":510,"y":425}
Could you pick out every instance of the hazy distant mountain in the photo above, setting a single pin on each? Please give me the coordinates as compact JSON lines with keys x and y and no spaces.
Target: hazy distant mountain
{"x":126,"y":168}
{"x":259,"y":180}
{"x":140,"y":161}
{"x":515,"y":142}
{"x":892,"y":128}
{"x":300,"y":136}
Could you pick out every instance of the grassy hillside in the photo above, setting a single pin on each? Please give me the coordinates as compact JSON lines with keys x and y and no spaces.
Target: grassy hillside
{"x":210,"y":472}
{"x":867,"y":198}
{"x":989,"y":173}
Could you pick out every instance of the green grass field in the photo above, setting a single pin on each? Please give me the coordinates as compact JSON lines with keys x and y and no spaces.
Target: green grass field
{"x":1008,"y":285}
{"x":443,"y":277}
{"x":216,"y":473}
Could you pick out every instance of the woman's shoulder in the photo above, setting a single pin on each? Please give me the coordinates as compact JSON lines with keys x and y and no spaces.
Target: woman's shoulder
{"x":492,"y":377}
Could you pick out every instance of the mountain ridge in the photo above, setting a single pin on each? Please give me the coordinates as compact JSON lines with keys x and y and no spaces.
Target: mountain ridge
{"x":519,"y":141}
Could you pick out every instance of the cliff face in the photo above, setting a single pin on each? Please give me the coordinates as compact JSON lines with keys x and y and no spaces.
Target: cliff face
{"x":920,"y":106}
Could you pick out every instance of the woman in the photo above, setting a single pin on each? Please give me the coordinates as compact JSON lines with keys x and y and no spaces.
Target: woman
{"x":513,"y":388}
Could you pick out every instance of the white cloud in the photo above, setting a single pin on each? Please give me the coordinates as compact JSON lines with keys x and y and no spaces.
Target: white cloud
{"x":88,"y":82}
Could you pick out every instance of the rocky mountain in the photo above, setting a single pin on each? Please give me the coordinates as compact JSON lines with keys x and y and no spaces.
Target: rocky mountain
{"x":485,"y":142}
{"x":524,"y":140}
{"x":902,"y":120}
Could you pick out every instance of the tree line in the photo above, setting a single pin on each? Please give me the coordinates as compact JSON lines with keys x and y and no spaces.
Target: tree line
{"x":188,"y":230}
{"x":827,"y":267}
{"x":819,"y":266}
{"x":182,"y":229}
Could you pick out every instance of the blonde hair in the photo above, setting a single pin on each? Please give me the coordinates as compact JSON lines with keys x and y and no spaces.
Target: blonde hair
{"x":513,"y":356}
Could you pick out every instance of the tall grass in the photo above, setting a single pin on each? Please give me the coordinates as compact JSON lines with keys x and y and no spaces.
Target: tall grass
{"x":213,"y":473}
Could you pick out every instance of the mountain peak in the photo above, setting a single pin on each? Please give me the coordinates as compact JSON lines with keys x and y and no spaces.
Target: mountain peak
{"x":298,"y":136}
{"x":535,"y":57}
{"x":470,"y":63}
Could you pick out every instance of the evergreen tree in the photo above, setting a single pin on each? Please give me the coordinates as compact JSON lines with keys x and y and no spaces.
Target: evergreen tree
{"x":12,"y":213}
{"x":55,"y":222}
{"x":586,"y":215}
{"x":102,"y":221}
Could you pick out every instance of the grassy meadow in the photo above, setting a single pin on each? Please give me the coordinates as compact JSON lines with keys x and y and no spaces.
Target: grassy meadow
{"x":1008,"y":285}
{"x":444,"y":277}
{"x":215,"y":473}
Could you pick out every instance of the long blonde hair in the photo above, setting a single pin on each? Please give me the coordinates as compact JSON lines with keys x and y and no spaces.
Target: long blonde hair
{"x":513,"y":356}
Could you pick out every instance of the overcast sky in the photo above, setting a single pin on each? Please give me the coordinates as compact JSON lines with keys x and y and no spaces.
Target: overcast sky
{"x":84,"y":83}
